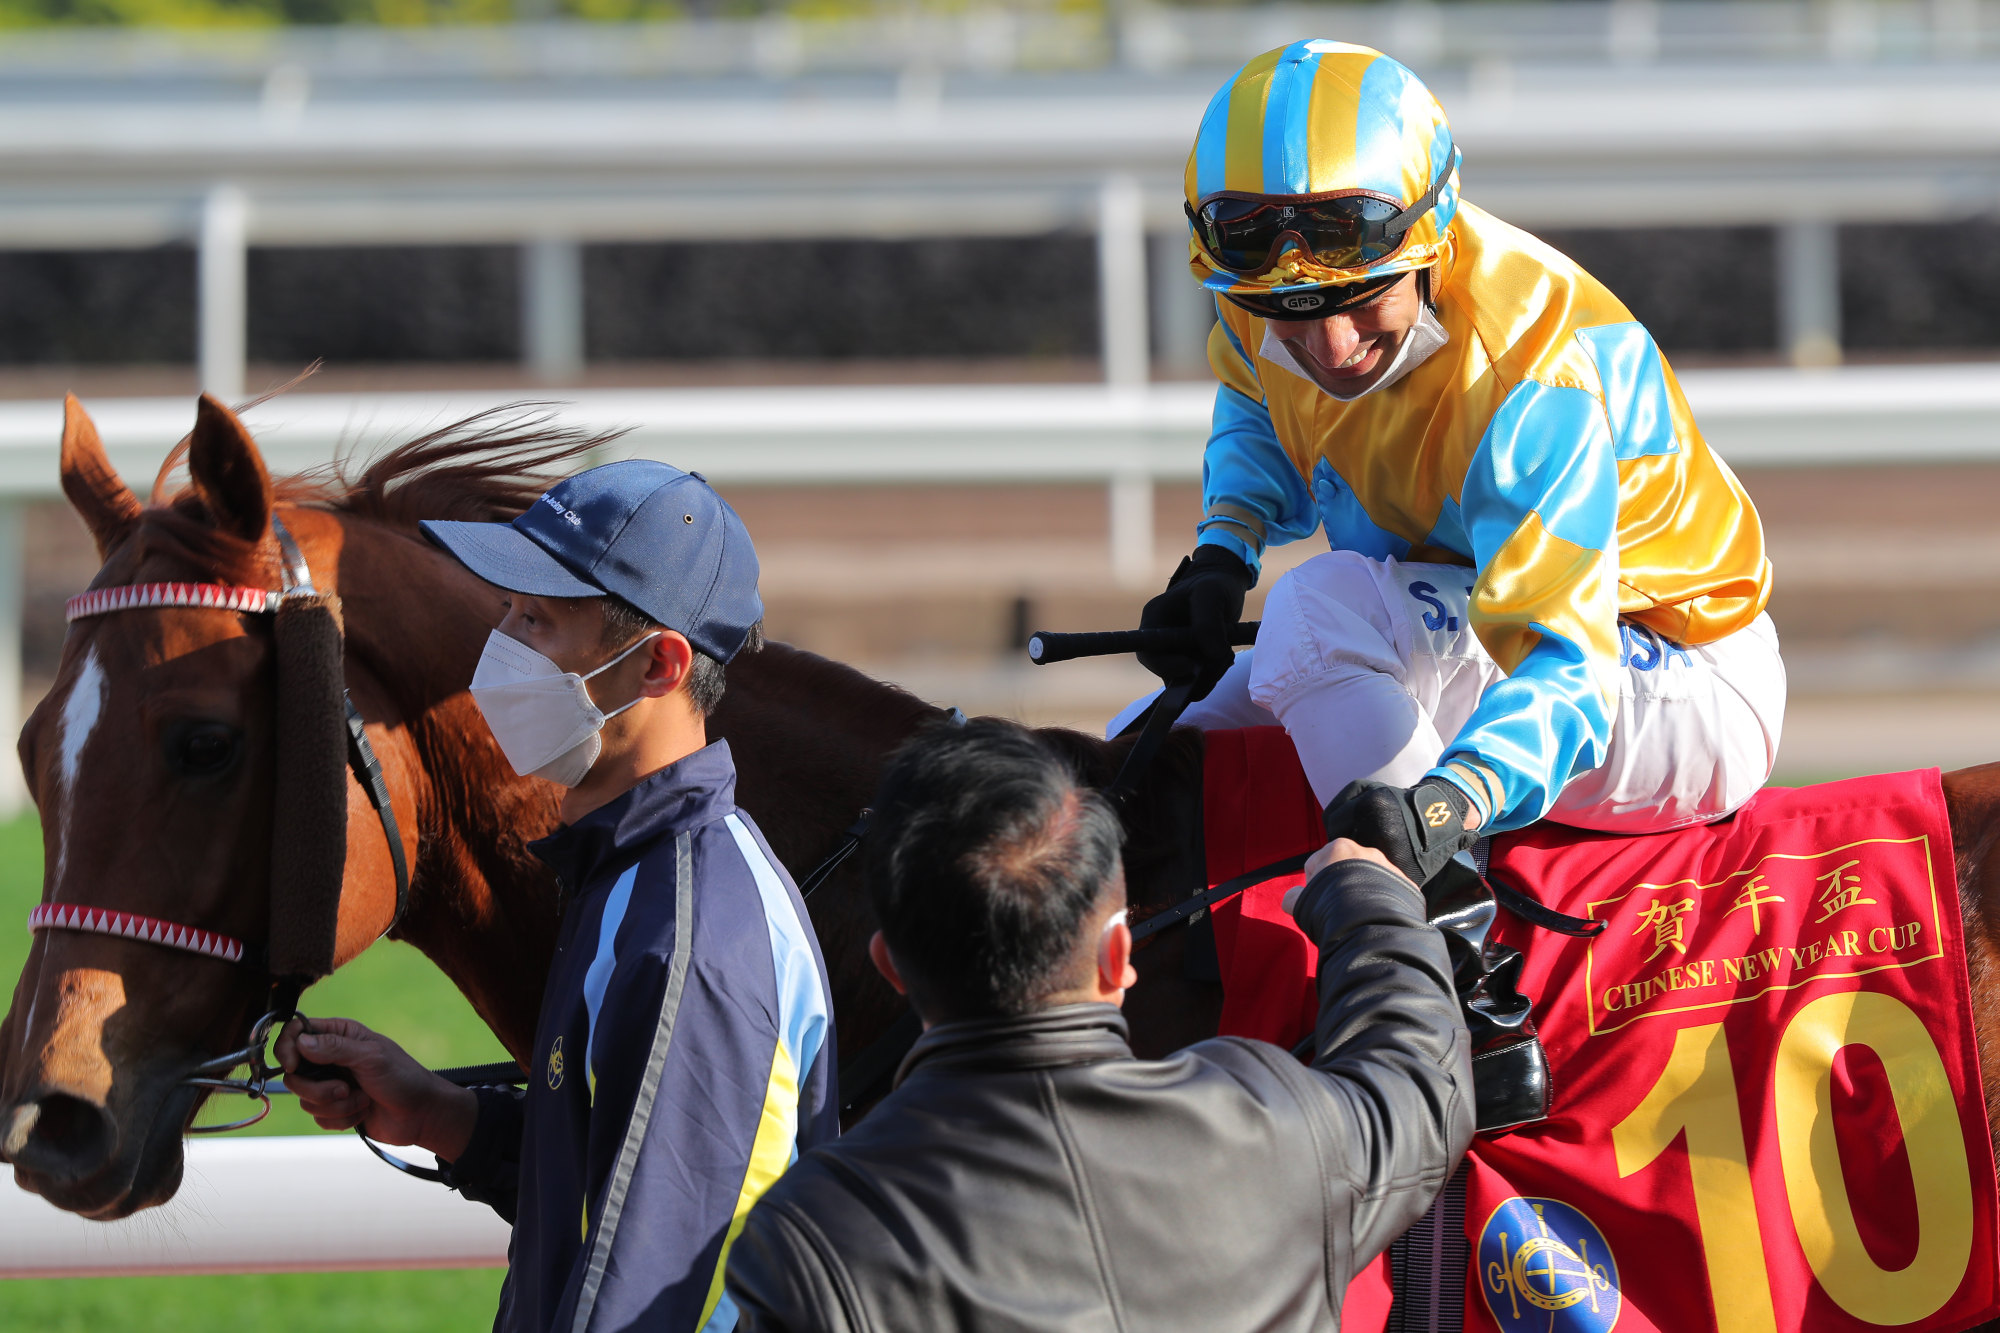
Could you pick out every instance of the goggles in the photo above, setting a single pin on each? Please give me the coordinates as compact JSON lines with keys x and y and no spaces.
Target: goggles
{"x":1342,"y":229}
{"x":1313,"y":302}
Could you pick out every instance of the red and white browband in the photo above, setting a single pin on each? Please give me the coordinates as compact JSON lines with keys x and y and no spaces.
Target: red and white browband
{"x":132,"y":926}
{"x":141,"y":596}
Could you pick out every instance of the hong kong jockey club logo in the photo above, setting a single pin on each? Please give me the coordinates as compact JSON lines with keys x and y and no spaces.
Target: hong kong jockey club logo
{"x":555,"y":1064}
{"x":1545,"y":1268}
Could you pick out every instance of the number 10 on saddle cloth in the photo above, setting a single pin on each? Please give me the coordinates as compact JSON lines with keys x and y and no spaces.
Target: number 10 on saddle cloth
{"x":1767,"y":1100}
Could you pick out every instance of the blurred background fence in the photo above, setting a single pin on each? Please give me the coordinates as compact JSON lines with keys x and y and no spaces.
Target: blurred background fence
{"x":889,"y":204}
{"x":997,"y":182}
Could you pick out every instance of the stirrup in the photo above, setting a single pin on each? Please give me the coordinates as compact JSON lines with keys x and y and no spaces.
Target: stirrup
{"x":1510,"y":1071}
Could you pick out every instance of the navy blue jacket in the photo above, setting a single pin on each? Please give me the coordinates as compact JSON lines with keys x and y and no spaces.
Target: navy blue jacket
{"x":683,"y":1058}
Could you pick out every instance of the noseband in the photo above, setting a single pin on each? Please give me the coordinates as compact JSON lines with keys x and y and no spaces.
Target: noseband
{"x":361,"y":760}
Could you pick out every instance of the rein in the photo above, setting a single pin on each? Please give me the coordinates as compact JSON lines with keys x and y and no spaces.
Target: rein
{"x":363,"y":764}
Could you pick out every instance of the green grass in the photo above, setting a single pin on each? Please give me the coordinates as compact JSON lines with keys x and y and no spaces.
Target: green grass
{"x":393,"y":989}
{"x":433,"y":1302}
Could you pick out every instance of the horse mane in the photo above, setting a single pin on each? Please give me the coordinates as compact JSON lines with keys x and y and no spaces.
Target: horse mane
{"x":484,"y":468}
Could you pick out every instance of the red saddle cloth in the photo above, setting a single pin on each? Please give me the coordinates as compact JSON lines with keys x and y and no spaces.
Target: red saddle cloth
{"x":1767,"y":1099}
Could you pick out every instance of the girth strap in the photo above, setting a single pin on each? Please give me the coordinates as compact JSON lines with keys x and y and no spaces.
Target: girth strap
{"x":1427,"y":1266}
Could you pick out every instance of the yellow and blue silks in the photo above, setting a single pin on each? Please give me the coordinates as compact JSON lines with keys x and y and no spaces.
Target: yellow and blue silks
{"x":1547,"y":444}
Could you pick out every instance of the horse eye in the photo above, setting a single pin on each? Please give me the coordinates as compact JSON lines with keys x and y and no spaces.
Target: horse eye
{"x":201,"y":750}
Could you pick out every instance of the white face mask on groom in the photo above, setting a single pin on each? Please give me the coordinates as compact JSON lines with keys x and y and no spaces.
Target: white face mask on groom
{"x":543,"y":716}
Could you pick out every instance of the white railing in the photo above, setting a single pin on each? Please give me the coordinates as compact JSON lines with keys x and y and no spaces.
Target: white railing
{"x":989,"y":433}
{"x":313,"y":1204}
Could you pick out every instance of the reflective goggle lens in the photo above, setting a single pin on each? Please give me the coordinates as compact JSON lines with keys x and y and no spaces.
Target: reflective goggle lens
{"x":1349,"y":232}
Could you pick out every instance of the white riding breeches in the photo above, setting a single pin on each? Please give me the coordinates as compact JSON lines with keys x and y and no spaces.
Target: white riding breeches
{"x":1373,"y":668}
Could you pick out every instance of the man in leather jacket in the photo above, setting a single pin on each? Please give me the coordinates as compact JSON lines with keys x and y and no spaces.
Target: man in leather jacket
{"x":1028,"y":1172}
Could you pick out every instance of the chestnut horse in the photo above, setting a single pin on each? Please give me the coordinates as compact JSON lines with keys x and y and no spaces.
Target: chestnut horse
{"x":151,"y":762}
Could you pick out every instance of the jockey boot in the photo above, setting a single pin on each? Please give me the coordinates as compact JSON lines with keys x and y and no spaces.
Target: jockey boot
{"x":1510,"y":1071}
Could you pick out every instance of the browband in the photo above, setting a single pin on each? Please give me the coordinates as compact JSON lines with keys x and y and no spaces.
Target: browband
{"x":132,"y":926}
{"x":140,"y":596}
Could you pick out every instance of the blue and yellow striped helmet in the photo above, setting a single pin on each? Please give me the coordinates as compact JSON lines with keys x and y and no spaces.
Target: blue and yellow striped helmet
{"x":1315,"y":117}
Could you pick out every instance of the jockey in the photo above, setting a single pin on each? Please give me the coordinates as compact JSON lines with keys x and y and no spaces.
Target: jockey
{"x":1545,"y":596}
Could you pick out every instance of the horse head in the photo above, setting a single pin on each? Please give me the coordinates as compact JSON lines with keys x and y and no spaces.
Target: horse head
{"x":152,"y":764}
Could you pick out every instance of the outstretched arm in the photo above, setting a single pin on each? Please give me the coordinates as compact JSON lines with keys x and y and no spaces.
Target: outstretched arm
{"x":1390,"y":1047}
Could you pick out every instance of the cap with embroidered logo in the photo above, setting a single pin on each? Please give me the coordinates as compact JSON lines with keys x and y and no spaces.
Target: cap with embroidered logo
{"x":656,"y":536}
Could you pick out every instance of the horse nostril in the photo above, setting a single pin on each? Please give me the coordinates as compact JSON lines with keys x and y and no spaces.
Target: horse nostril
{"x":61,"y":1129}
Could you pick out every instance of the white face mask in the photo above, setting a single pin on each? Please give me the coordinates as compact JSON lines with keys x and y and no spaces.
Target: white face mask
{"x":542,"y":716}
{"x":1423,"y":340}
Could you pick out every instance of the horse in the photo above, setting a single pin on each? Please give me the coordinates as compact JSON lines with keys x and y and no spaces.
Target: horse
{"x":152,"y":764}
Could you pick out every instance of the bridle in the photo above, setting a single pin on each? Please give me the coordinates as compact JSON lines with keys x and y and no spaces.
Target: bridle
{"x":214,"y":1074}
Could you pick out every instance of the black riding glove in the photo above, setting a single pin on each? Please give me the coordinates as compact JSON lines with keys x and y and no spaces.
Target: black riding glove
{"x":1205,"y":595}
{"x":1418,"y":828}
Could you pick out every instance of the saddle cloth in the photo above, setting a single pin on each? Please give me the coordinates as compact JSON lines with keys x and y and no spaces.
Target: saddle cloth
{"x":1767,"y":1110}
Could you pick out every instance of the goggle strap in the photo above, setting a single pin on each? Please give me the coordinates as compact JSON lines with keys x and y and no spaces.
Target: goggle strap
{"x":1407,"y":219}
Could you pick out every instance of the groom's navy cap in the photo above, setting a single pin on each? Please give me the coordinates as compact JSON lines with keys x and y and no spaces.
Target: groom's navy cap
{"x":658,"y":537}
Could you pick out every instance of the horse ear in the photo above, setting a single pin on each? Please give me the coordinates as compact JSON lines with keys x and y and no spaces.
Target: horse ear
{"x":229,"y":472}
{"x":95,"y":490}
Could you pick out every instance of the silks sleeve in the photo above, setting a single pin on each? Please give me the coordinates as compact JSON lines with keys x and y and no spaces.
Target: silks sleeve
{"x":1252,"y":493}
{"x":1540,"y":504}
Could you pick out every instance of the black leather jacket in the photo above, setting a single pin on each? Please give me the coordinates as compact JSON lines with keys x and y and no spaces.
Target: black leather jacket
{"x":1031,"y":1174}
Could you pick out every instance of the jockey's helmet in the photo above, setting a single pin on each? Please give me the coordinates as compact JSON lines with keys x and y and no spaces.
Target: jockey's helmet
{"x":1319,"y":166}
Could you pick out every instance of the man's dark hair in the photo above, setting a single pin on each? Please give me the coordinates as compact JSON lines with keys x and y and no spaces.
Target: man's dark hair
{"x":624,"y":622}
{"x":985,"y":859}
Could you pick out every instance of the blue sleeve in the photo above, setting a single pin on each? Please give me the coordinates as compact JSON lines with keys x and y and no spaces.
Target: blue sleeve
{"x":1540,"y":506}
{"x":489,"y":1170}
{"x":1244,"y":468}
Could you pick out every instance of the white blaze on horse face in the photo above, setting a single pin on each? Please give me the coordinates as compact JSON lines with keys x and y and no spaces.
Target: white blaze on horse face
{"x":80,"y":713}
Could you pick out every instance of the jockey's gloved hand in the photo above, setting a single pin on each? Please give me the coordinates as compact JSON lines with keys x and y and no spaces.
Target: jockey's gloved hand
{"x":1204,"y":595}
{"x":1419,"y":828}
